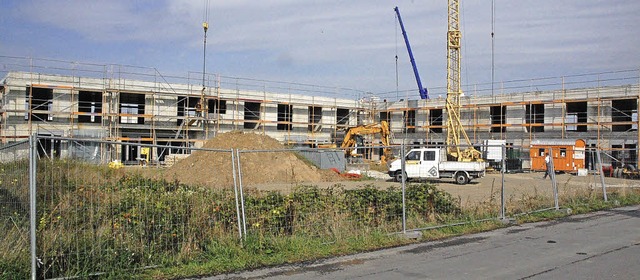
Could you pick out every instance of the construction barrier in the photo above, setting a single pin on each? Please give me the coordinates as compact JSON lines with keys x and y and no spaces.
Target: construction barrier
{"x":70,"y":213}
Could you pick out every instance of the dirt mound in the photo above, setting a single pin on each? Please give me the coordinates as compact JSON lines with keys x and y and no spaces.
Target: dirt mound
{"x":215,"y":169}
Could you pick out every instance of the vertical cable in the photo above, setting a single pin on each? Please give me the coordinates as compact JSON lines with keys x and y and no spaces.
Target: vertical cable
{"x":397,"y":75}
{"x":493,"y":23}
{"x":205,"y":26}
{"x":202,"y":109}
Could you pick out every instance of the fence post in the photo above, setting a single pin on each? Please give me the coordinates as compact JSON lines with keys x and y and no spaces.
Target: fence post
{"x":502,"y":170}
{"x":242,"y":210}
{"x":235,"y":191}
{"x":552,"y":174}
{"x":604,"y":187}
{"x":404,"y":182}
{"x":32,"y":203}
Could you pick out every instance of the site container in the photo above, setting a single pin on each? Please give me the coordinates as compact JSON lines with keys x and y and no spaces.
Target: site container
{"x":568,"y":155}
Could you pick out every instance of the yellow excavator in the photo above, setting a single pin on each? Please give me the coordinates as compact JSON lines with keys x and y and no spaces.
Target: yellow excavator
{"x":354,"y":139}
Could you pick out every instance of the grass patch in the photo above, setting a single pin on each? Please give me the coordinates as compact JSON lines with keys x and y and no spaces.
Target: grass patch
{"x":160,"y":229}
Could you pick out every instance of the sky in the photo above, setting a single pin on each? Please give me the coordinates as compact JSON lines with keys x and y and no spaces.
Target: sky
{"x":344,"y":44}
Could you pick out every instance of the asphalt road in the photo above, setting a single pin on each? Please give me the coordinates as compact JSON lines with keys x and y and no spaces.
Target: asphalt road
{"x":600,"y":245}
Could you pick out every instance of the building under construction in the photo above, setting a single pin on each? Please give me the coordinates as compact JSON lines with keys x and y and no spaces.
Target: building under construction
{"x":127,"y":106}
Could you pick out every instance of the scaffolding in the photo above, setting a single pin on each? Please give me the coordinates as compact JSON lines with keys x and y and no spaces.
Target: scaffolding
{"x":130,"y":104}
{"x":137,"y":104}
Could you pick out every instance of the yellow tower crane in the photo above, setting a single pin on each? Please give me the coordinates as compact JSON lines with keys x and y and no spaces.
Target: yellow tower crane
{"x":455,"y":130}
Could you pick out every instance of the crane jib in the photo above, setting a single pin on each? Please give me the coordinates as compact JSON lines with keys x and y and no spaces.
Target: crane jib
{"x":424,"y":94}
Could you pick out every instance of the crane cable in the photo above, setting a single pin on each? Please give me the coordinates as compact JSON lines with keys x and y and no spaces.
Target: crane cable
{"x":397,"y":75}
{"x":464,"y":65}
{"x":205,"y":26}
{"x":493,"y":32}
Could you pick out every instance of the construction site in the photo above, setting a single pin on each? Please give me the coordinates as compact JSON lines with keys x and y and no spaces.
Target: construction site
{"x":139,"y":105}
{"x":113,"y":171}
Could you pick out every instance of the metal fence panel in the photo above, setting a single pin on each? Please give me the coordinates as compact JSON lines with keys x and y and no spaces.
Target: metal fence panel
{"x":94,"y":216}
{"x":432,"y":202}
{"x":619,"y":172}
{"x":300,"y":199}
{"x":14,"y":210}
{"x":93,"y":219}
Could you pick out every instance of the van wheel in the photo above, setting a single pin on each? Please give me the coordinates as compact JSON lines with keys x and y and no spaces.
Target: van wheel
{"x":461,"y":178}
{"x":398,"y":176}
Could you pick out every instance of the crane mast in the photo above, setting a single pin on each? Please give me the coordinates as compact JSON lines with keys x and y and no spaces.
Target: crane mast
{"x":455,"y":130}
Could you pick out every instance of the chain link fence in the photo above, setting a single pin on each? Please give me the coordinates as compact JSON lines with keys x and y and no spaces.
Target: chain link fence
{"x":91,"y":214}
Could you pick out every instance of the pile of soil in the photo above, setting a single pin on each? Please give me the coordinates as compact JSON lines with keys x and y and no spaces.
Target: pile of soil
{"x":260,"y":167}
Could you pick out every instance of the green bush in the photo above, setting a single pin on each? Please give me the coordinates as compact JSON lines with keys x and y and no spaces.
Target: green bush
{"x":127,"y":221}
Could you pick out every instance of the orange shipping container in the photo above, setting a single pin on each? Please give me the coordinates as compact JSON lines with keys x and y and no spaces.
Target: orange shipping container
{"x":568,"y":155}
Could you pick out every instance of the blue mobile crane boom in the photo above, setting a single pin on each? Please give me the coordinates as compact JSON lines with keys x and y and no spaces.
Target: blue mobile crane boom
{"x":424,"y":94}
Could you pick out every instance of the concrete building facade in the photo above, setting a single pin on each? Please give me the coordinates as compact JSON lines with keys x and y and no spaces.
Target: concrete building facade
{"x":160,"y":113}
{"x":172,"y":114}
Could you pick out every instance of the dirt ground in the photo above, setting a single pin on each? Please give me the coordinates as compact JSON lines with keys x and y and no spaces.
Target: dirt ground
{"x":265,"y":170}
{"x":260,"y":165}
{"x":517,"y":186}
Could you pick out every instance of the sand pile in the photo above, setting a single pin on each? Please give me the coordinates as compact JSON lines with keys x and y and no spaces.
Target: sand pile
{"x":214,"y":168}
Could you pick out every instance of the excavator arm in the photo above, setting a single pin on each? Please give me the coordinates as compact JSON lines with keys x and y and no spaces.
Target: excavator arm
{"x":382,"y":128}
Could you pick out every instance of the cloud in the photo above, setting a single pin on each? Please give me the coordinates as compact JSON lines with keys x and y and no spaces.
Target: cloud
{"x":345,"y":43}
{"x":115,"y":20}
{"x":562,"y":37}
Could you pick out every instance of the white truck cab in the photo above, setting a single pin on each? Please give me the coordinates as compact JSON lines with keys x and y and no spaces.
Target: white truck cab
{"x":425,"y":163}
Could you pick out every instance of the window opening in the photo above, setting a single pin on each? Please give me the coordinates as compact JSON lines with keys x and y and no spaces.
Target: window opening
{"x":342,"y":117}
{"x":576,"y":116}
{"x":131,"y":105}
{"x":410,"y":121}
{"x":251,"y":115}
{"x":534,"y":114}
{"x":498,"y":117}
{"x":435,"y":119}
{"x":624,"y":110}
{"x":315,"y":118}
{"x":90,"y":102}
{"x":284,"y":117}
{"x":187,"y":108}
{"x":41,"y":104}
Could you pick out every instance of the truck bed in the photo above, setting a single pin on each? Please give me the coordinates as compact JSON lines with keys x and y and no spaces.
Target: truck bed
{"x":461,"y":165}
